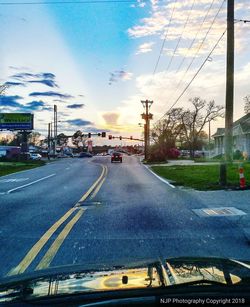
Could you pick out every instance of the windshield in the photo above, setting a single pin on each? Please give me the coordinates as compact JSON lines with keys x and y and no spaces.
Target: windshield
{"x":124,"y":137}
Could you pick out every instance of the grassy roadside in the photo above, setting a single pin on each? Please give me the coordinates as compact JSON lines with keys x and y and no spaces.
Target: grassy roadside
{"x":13,"y":167}
{"x":201,"y":177}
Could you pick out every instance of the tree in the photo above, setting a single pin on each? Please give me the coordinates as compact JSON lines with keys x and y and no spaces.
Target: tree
{"x":166,"y":131}
{"x":2,"y":89}
{"x":77,"y":139}
{"x":165,"y":134}
{"x":194,"y":121}
{"x":247,"y":104}
{"x":62,"y":139}
{"x":34,"y":138}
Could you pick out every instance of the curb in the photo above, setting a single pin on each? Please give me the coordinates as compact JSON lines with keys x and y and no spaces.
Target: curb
{"x":160,"y":178}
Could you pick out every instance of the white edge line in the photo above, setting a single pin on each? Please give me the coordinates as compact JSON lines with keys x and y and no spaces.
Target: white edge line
{"x":28,"y":184}
{"x":160,"y":178}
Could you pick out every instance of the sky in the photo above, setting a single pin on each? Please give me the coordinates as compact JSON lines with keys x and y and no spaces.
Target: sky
{"x":97,"y":61}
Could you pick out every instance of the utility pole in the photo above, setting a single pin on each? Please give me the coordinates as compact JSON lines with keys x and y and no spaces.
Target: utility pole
{"x":229,"y":93}
{"x":55,"y":129}
{"x":49,"y":136}
{"x":147,"y":117}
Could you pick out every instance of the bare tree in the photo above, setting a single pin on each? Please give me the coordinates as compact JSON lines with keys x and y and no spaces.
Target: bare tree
{"x":3,"y":89}
{"x":247,"y":104}
{"x":194,"y":121}
{"x":166,"y":131}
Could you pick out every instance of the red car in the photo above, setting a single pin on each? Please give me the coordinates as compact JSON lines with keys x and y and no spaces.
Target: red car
{"x":116,"y":157}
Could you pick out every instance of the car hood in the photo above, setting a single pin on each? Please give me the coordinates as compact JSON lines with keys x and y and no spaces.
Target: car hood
{"x":153,"y":273}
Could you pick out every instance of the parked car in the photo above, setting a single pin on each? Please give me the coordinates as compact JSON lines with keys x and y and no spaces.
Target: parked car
{"x":35,"y":156}
{"x":85,"y":155}
{"x":116,"y":157}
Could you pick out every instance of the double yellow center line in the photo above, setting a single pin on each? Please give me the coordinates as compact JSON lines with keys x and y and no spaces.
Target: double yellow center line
{"x":52,"y":251}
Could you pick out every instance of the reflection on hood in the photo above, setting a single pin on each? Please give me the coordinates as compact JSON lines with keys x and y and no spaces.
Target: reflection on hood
{"x":170,"y":272}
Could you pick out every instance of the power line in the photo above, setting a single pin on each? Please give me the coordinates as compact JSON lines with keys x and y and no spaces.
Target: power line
{"x":165,"y":38}
{"x":180,"y":37}
{"x":200,"y":46}
{"x":196,"y":35}
{"x":195,"y":75}
{"x":69,"y":2}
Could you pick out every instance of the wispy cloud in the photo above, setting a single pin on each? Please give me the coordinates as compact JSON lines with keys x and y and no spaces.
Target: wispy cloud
{"x":46,"y":78}
{"x":79,"y":122}
{"x":145,"y":48}
{"x":9,"y":83}
{"x":27,"y":76}
{"x":50,"y":83}
{"x":10,"y":101}
{"x":119,"y":75}
{"x":76,"y":106}
{"x":51,"y":94}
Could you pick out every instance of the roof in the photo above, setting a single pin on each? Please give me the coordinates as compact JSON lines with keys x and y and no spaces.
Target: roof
{"x":243,"y":122}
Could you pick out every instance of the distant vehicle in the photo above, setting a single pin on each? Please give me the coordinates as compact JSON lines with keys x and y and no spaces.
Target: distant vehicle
{"x":116,"y":156}
{"x":85,"y":155}
{"x":35,"y":156}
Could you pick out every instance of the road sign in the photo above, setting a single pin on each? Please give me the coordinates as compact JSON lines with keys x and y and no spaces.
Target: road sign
{"x":16,"y":121}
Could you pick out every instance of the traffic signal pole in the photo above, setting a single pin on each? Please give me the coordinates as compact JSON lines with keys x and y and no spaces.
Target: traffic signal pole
{"x":229,"y":93}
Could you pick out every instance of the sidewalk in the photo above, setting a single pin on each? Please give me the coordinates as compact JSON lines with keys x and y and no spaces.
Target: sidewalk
{"x":236,"y":199}
{"x":183,"y":162}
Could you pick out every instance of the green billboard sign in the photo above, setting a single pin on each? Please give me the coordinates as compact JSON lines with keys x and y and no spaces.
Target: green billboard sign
{"x":16,"y":121}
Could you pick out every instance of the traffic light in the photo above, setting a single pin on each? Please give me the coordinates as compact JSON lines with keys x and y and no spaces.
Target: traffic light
{"x":89,"y":135}
{"x":120,"y":138}
{"x":103,"y":134}
{"x":110,"y":137}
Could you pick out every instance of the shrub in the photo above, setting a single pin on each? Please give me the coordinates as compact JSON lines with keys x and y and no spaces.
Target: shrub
{"x":237,"y":155}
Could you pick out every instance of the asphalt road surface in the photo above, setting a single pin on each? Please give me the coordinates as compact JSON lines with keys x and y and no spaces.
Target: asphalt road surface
{"x":78,"y":211}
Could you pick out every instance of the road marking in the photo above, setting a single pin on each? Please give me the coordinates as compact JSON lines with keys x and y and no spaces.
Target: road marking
{"x":100,"y":184}
{"x":52,"y":251}
{"x":28,"y":184}
{"x":13,"y":180}
{"x":31,"y":255}
{"x":90,"y":190}
{"x":23,"y":265}
{"x":160,"y":178}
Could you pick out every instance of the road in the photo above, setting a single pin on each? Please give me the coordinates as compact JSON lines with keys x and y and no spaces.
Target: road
{"x":76,"y":211}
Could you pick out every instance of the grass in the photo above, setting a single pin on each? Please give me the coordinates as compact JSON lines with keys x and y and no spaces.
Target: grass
{"x":13,"y":167}
{"x":201,"y":177}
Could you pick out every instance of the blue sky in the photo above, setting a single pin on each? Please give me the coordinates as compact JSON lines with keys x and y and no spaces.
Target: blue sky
{"x":96,"y":61}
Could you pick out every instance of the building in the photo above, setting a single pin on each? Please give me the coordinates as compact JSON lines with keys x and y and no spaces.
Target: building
{"x":241,"y":137}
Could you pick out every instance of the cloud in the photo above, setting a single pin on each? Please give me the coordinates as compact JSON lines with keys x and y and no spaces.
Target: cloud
{"x":10,"y":101}
{"x":119,"y":75}
{"x":111,"y":118}
{"x":51,"y":94}
{"x":45,"y":78}
{"x":9,"y":83}
{"x":145,"y":48}
{"x":38,"y":106}
{"x":50,"y":83}
{"x":27,"y":75}
{"x":76,"y":106}
{"x":79,"y":122}
{"x":139,"y":3}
